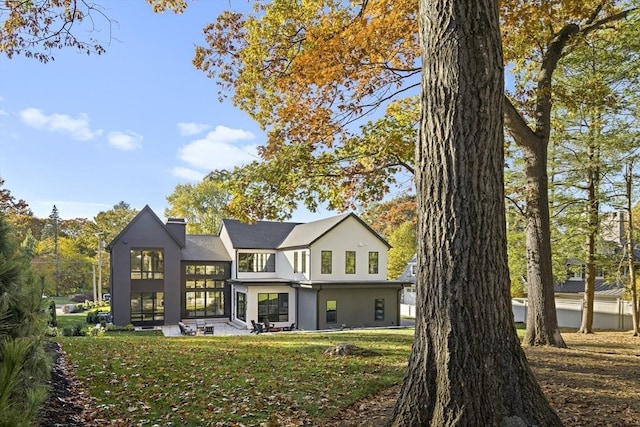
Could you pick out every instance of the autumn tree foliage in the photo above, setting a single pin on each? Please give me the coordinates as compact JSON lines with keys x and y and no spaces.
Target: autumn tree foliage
{"x":310,"y":72}
{"x":307,"y":72}
{"x":387,"y":216}
{"x":38,"y":28}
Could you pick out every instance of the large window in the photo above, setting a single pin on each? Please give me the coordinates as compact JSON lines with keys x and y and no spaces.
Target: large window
{"x":274,"y":307}
{"x":204,"y":303}
{"x":147,"y":306}
{"x":204,"y":270}
{"x":350,"y":262}
{"x":241,"y":306}
{"x":256,"y":263}
{"x":326,"y":262}
{"x":204,"y":294}
{"x":373,"y":262}
{"x":203,"y":283}
{"x":147,"y":264}
{"x":332,"y":311}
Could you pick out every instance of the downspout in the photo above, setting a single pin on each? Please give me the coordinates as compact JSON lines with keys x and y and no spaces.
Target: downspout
{"x":318,"y":308}
{"x":398,"y":308}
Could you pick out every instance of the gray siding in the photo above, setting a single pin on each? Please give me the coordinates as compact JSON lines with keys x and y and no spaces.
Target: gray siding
{"x":145,"y":231}
{"x":356,"y":307}
{"x":307,"y":309}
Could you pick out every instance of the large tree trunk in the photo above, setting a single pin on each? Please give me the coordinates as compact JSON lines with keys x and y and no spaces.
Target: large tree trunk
{"x":635,"y":315}
{"x":467,"y":366}
{"x":542,"y":320}
{"x":593,"y":228}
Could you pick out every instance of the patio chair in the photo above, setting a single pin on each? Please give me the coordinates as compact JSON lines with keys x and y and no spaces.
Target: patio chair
{"x":257,"y":328}
{"x":186,"y":330}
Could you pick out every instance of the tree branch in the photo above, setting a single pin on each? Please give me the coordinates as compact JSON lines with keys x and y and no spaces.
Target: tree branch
{"x":516,"y":125}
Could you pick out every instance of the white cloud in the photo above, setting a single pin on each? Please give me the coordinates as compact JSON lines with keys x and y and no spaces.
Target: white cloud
{"x":125,"y":141}
{"x":220,"y":149}
{"x":191,"y":128}
{"x":78,"y":128}
{"x":187,"y":174}
{"x":3,"y":113}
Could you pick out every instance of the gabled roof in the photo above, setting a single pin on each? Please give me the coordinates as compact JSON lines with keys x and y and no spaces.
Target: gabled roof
{"x":576,"y":286}
{"x":145,"y":211}
{"x":259,"y":235}
{"x":282,"y":235}
{"x":407,"y":275}
{"x":307,"y":234}
{"x":203,"y":248}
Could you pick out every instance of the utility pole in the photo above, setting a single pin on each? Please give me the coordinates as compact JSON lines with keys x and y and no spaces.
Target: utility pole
{"x":95,"y":290}
{"x":56,"y":275}
{"x":100,"y":246}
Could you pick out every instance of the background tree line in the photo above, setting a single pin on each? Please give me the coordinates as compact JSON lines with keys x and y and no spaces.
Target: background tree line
{"x":64,"y":252}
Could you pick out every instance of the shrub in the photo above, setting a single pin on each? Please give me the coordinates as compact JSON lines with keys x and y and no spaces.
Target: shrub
{"x":130,"y":328}
{"x":52,"y":314}
{"x":51,"y":331}
{"x":95,"y":331}
{"x":76,"y":330}
{"x":98,"y":315}
{"x":81,"y":297}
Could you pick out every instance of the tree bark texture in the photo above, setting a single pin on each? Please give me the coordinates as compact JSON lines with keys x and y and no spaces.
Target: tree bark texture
{"x":466,"y":366}
{"x":635,"y":308}
{"x":542,"y":319}
{"x":593,"y":229}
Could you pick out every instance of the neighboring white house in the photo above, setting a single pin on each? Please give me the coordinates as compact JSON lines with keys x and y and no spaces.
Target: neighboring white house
{"x":611,"y":311}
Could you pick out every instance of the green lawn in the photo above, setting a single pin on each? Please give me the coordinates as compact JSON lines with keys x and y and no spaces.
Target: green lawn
{"x":62,"y":300}
{"x":71,"y":319}
{"x":275,"y":379}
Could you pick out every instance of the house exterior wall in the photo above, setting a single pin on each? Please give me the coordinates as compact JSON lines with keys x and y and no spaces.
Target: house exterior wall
{"x":226,"y":241}
{"x":349,"y":235}
{"x":287,"y":264}
{"x":307,"y":318}
{"x":356,"y":307}
{"x":252,"y":302}
{"x":146,"y":232}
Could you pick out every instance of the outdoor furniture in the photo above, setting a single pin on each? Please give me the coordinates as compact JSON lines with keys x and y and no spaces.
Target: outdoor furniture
{"x":257,"y":328}
{"x":208,"y":328}
{"x":269,"y":327}
{"x":200,"y":325}
{"x":186,"y":330}
{"x":289,"y":328}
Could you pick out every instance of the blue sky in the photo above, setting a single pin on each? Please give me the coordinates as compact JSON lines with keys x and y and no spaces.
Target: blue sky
{"x":86,"y":132}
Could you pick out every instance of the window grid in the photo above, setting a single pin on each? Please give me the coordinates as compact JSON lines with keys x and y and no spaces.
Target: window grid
{"x":147,"y":264}
{"x":332,"y":311}
{"x":273,"y":306}
{"x":373,"y":262}
{"x":350,"y":262}
{"x":326,"y":262}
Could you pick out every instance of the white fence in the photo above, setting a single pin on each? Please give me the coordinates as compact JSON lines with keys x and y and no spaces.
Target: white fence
{"x":606,"y":314}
